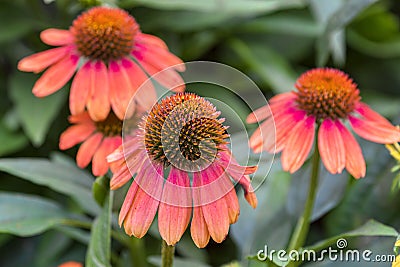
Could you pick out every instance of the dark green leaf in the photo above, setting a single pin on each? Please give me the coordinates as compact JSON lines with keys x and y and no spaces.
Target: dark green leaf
{"x":10,"y":142}
{"x":99,"y":250}
{"x":26,"y":215}
{"x":62,"y":178}
{"x":35,"y":114}
{"x":100,"y":189}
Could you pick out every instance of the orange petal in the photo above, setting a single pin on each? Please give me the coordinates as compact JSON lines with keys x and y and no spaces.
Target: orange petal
{"x":39,"y":61}
{"x":98,"y":103}
{"x":198,"y":228}
{"x":87,"y":150}
{"x":371,"y":115}
{"x":375,"y":132}
{"x":298,"y":145}
{"x":149,"y":39}
{"x":160,"y":58}
{"x":57,"y":37}
{"x":127,"y":205}
{"x":259,"y":114}
{"x":175,"y":207}
{"x":99,"y":163}
{"x":56,"y":76}
{"x":80,"y":89}
{"x":355,"y":163}
{"x":75,"y":134}
{"x":331,"y":147}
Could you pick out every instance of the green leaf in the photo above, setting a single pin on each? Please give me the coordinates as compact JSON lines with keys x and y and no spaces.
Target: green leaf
{"x":35,"y":114}
{"x":269,"y":65}
{"x":10,"y":141}
{"x":68,"y":180}
{"x":370,"y":228}
{"x":99,"y":250}
{"x":234,"y":7}
{"x":26,"y":215}
{"x":100,"y":189}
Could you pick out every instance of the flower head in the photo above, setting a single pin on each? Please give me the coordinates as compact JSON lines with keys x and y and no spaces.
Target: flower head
{"x":325,"y":99}
{"x":181,"y":136}
{"x":110,"y":46}
{"x":98,"y":138}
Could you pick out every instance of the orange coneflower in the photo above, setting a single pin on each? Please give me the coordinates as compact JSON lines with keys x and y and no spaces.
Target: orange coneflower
{"x":109,"y":53}
{"x":182,"y":136}
{"x":327,"y":98}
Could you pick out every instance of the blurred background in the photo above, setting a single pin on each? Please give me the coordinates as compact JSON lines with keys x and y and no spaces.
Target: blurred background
{"x":271,"y":41}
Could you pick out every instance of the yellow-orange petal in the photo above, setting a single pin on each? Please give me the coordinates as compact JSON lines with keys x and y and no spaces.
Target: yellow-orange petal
{"x":355,"y":163}
{"x":40,"y":61}
{"x":331,"y":147}
{"x":56,"y":37}
{"x":175,"y":207}
{"x":56,"y":76}
{"x":198,"y":228}
{"x":98,"y":104}
{"x":298,"y":145}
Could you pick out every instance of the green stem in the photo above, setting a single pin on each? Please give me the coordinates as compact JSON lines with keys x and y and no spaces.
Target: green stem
{"x":300,"y":233}
{"x":137,"y":252}
{"x":167,"y":254}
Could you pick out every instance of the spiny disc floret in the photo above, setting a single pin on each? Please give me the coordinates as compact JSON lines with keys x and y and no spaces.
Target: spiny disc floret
{"x":327,"y":93}
{"x":105,"y":34}
{"x":184,"y":130}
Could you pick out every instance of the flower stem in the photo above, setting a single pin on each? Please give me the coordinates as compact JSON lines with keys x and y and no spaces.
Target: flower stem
{"x":167,"y":254}
{"x":300,"y":233}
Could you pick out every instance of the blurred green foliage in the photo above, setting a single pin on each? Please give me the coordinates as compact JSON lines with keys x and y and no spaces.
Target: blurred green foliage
{"x":271,"y":41}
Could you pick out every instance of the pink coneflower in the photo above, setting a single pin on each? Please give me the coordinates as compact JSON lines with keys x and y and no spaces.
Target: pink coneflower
{"x":325,"y":99}
{"x":98,"y":138}
{"x":182,"y":136}
{"x":108,"y":51}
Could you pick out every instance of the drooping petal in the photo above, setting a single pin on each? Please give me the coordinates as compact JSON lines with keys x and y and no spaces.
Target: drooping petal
{"x":175,"y":207}
{"x":149,"y":39}
{"x":375,"y":132}
{"x":159,"y":57}
{"x":56,"y":76}
{"x":259,"y":114}
{"x":127,"y":205}
{"x":371,"y":115}
{"x":147,"y":199}
{"x":56,"y":37}
{"x":87,"y":150}
{"x":331,"y":147}
{"x":198,"y":228}
{"x":98,"y":103}
{"x":80,"y":89}
{"x":298,"y":145}
{"x":355,"y":163}
{"x":168,"y":78}
{"x":99,"y":163}
{"x":39,"y":61}
{"x":75,"y":134}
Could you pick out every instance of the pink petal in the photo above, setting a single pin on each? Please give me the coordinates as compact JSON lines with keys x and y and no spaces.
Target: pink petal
{"x":56,"y":76}
{"x":80,"y":89}
{"x":198,"y":228}
{"x":298,"y":145}
{"x":75,"y":134}
{"x":233,"y":206}
{"x":98,"y":103}
{"x":175,"y":207}
{"x":57,"y":37}
{"x":259,"y":114}
{"x":371,"y":115}
{"x":331,"y":147}
{"x":87,"y":150}
{"x":39,"y":61}
{"x":148,"y":39}
{"x":355,"y":163}
{"x":99,"y":164}
{"x":146,"y":200}
{"x":375,"y":132}
{"x":127,"y":205}
{"x":121,"y":89}
{"x":80,"y":118}
{"x":168,"y":78}
{"x":160,"y":58}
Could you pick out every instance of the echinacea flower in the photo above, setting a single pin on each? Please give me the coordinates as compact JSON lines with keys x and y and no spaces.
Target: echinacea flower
{"x":98,"y":138}
{"x":181,"y":136}
{"x":71,"y":264}
{"x":325,"y":100}
{"x":108,"y":52}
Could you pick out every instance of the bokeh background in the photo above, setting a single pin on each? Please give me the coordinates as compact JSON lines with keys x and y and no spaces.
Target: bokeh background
{"x":271,"y":41}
